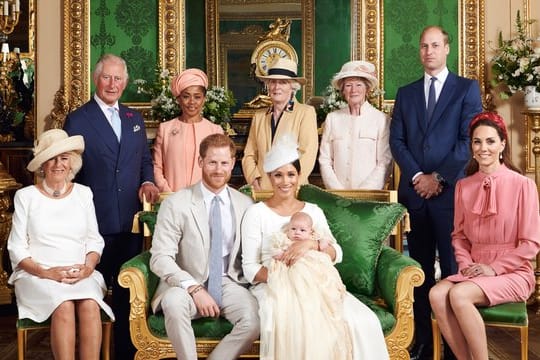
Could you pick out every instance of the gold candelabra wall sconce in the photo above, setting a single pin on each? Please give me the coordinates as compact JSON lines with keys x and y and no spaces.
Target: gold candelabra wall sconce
{"x":16,"y":96}
{"x":9,"y":17}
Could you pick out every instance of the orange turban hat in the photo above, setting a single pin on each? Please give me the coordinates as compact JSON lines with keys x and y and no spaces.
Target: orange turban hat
{"x":187,"y":78}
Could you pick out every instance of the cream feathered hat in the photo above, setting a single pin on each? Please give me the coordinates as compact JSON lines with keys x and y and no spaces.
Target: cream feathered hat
{"x":284,"y":151}
{"x":52,"y":143}
{"x":357,"y":68}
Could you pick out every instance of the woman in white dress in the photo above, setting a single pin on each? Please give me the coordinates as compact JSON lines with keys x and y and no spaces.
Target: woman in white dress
{"x":355,"y":152}
{"x":54,"y":246}
{"x":259,"y":225}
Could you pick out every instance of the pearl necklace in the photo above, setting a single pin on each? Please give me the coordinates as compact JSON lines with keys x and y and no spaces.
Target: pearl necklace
{"x":53,"y":193}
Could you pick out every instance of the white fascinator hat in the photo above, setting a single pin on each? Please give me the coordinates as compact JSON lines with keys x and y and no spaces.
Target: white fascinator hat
{"x":284,"y":151}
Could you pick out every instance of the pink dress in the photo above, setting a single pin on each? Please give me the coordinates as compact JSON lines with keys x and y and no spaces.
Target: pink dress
{"x":176,"y":153}
{"x":497,"y":223}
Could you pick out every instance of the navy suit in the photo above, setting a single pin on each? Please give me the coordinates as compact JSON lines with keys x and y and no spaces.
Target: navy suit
{"x":440,"y":145}
{"x":114,"y":171}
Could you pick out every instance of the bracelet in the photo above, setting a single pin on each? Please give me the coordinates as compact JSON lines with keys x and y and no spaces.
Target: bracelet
{"x":197,"y":289}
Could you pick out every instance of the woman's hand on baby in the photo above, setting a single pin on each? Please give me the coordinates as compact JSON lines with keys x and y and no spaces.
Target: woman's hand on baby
{"x":295,"y":251}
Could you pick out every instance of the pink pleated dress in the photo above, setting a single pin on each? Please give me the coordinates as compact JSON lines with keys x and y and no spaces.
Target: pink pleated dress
{"x":497,"y":223}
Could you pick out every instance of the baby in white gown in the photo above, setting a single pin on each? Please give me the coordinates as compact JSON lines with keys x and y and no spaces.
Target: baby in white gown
{"x":304,"y":297}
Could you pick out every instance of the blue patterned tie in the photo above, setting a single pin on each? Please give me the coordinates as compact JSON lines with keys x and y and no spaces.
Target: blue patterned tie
{"x":431,"y":99}
{"x":116,"y":123}
{"x":216,"y":256}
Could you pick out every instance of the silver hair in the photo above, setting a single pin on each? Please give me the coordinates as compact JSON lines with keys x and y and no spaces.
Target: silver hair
{"x":294,"y":84}
{"x":112,"y":59}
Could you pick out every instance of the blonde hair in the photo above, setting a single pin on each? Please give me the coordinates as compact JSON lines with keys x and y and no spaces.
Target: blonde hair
{"x":75,"y":163}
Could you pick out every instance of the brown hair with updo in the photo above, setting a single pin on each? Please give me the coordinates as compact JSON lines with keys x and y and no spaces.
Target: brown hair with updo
{"x":494,"y":120}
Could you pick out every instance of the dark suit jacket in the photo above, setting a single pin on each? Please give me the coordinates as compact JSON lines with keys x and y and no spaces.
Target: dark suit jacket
{"x":442,"y":145}
{"x":113,"y":171}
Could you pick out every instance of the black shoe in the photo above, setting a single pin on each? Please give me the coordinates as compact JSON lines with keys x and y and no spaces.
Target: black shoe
{"x":448,"y":354}
{"x":422,"y":352}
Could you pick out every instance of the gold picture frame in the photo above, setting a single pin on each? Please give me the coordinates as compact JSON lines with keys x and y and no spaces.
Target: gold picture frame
{"x":76,"y":46}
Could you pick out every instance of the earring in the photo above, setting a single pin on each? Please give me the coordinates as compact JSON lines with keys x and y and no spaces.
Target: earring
{"x":41,"y":172}
{"x":500,"y":156}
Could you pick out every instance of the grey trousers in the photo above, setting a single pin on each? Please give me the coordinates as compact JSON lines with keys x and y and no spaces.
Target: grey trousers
{"x":239,"y":307}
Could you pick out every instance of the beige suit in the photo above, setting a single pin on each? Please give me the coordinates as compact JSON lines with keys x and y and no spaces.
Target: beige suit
{"x":301,"y":122}
{"x":180,"y":252}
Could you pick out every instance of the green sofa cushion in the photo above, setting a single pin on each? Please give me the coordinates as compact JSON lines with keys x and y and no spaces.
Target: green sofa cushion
{"x":360,"y":227}
{"x":509,"y":313}
{"x":209,"y":328}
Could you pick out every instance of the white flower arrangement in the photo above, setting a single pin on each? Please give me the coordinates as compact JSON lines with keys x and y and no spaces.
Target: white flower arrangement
{"x":516,"y":63}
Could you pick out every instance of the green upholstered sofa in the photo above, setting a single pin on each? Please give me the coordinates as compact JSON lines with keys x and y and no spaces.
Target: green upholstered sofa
{"x":359,"y":225}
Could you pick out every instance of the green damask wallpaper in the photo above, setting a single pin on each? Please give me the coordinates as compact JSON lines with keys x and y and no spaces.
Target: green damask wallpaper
{"x":127,"y":28}
{"x":195,"y":34}
{"x":403,"y":23}
{"x":332,"y":40}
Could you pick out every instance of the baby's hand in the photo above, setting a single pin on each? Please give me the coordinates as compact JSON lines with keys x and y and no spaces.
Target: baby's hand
{"x":323,"y":244}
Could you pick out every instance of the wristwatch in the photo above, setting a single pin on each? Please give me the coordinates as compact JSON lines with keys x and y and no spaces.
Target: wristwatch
{"x":439,"y":178}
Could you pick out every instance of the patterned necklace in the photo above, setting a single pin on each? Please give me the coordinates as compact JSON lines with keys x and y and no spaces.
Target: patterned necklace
{"x":53,"y":193}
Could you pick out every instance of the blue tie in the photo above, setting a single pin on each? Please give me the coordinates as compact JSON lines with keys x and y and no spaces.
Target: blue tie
{"x":116,"y":123}
{"x":431,"y":99}
{"x":216,"y":255}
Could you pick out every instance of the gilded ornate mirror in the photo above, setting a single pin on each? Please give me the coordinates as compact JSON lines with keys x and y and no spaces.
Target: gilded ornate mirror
{"x":229,"y":49}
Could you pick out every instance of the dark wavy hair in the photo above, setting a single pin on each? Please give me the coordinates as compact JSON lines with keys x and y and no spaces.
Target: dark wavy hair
{"x":495,"y":121}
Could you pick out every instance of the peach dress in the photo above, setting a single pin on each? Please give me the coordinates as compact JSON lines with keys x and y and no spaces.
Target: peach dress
{"x":176,"y":152}
{"x":497,"y":223}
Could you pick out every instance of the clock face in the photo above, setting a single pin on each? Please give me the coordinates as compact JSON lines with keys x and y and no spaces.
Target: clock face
{"x":267,"y":52}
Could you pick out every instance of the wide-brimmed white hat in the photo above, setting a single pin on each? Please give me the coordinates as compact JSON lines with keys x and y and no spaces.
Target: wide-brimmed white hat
{"x":357,"y":68}
{"x":283,"y":151}
{"x":52,"y":143}
{"x":283,"y":68}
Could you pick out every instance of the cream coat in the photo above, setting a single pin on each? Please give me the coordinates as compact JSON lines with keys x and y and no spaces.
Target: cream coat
{"x":301,"y":122}
{"x":176,"y":153}
{"x":355,"y":153}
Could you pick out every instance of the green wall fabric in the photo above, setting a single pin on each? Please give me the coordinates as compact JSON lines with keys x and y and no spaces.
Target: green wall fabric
{"x":404,"y":21}
{"x":127,"y":28}
{"x":332,"y":40}
{"x":195,"y":34}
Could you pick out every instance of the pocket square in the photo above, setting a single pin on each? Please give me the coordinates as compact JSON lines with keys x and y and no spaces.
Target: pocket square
{"x":136,"y":128}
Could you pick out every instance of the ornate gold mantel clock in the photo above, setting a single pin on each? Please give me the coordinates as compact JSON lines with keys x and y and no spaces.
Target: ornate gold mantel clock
{"x":272,"y":45}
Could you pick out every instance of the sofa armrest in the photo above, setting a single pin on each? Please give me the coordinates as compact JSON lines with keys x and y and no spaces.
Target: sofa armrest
{"x":396,"y":277}
{"x":135,"y":275}
{"x":390,"y":266}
